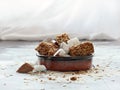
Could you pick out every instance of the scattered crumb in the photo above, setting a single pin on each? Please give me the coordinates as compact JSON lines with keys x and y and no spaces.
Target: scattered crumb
{"x":67,"y":79}
{"x":49,"y":74}
{"x":97,"y":65}
{"x":41,"y":80}
{"x":95,"y":73}
{"x":26,"y":82}
{"x":26,"y":79}
{"x":73,"y":73}
{"x":64,"y":76}
{"x":36,"y":79}
{"x":10,"y":75}
{"x":69,"y":82}
{"x":76,"y":72}
{"x":50,"y":78}
{"x":73,"y":78}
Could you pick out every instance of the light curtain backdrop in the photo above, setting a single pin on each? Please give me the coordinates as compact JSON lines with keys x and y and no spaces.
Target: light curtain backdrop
{"x":38,"y":19}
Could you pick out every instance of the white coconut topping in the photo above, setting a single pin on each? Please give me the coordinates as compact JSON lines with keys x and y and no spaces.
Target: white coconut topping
{"x":65,"y":47}
{"x":39,"y":68}
{"x":73,"y":42}
{"x":62,"y":52}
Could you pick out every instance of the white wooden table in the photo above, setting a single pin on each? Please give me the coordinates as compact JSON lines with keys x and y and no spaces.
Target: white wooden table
{"x":105,"y":75}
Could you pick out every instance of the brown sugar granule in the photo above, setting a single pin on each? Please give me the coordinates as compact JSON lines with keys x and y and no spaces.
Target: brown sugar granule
{"x":25,"y":68}
{"x":62,"y":38}
{"x":83,"y":49}
{"x":73,"y":78}
{"x":46,"y":48}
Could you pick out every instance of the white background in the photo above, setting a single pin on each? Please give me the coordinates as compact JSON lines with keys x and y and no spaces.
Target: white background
{"x":32,"y":19}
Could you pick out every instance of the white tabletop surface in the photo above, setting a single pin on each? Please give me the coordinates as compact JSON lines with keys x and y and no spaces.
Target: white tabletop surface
{"x":105,"y":75}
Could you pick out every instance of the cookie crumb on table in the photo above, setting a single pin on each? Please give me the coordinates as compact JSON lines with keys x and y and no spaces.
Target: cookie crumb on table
{"x":50,"y":78}
{"x":73,"y":78}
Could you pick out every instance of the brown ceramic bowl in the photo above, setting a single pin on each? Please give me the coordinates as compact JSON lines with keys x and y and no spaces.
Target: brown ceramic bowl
{"x":68,"y":63}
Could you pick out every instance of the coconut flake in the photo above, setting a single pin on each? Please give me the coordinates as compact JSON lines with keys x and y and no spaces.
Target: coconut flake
{"x":65,"y":47}
{"x":39,"y":68}
{"x":73,"y":42}
{"x":60,"y":52}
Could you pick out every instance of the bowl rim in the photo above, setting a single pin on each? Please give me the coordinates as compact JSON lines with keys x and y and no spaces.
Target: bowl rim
{"x":65,"y":58}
